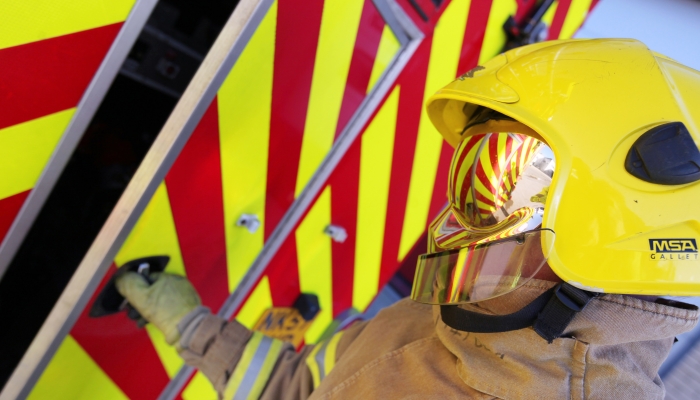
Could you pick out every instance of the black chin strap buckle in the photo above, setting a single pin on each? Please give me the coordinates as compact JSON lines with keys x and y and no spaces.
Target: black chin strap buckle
{"x":564,"y":304}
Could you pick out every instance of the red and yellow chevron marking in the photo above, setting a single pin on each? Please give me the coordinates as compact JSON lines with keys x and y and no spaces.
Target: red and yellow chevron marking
{"x":49,"y":52}
{"x":499,"y":162}
{"x":302,"y":76}
{"x":244,"y":137}
{"x":333,"y":55}
{"x":373,"y":200}
{"x":566,"y":16}
{"x":444,"y":60}
{"x":26,"y":22}
{"x":273,"y":115}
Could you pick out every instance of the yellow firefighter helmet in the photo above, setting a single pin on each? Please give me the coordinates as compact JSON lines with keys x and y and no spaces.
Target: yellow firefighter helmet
{"x":586,"y":148}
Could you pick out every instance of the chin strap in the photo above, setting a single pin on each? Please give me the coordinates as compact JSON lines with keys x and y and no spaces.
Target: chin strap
{"x":549,"y":314}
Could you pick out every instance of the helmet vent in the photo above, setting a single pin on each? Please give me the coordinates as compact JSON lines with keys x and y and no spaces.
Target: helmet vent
{"x":665,"y":155}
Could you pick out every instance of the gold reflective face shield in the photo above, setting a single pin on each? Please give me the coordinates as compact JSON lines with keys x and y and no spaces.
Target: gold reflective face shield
{"x":488,"y":241}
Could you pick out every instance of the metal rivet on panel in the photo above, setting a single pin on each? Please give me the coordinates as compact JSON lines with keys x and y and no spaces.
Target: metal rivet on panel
{"x":249,"y":221}
{"x":337,"y":233}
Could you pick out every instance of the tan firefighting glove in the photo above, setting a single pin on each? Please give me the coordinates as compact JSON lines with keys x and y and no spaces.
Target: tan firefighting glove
{"x":163,"y":303}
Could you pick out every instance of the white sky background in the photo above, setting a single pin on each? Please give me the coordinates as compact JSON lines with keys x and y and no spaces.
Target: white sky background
{"x":670,"y":27}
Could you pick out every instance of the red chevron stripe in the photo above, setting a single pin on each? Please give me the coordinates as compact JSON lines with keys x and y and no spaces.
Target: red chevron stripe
{"x":485,"y":200}
{"x":412,"y":83}
{"x":283,"y":274}
{"x":365,"y":52}
{"x":296,"y":39}
{"x":558,"y":20}
{"x":345,"y":183}
{"x":493,"y":155}
{"x":450,"y":236}
{"x":48,"y":76}
{"x":196,"y":200}
{"x":345,"y":179}
{"x":9,"y":207}
{"x":127,"y":346}
{"x":474,"y":35}
{"x":524,"y":7}
{"x":481,"y":175}
{"x":463,"y":152}
{"x":467,"y":184}
{"x":509,"y":149}
{"x":298,"y":26}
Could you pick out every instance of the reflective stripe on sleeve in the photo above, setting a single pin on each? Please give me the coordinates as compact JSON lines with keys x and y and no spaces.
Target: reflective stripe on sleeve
{"x":321,"y":360}
{"x":253,"y":370}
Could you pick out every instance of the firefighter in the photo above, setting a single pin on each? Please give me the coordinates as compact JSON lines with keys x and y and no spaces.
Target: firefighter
{"x":574,"y":181}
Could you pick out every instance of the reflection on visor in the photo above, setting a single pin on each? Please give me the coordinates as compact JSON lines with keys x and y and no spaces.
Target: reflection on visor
{"x":498,"y":187}
{"x":482,"y":271}
{"x":495,"y":174}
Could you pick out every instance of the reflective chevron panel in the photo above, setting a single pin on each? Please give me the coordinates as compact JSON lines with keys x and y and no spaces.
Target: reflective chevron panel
{"x":49,"y":52}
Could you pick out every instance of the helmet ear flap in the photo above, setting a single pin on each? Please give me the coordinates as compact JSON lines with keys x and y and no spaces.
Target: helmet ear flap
{"x":665,"y":155}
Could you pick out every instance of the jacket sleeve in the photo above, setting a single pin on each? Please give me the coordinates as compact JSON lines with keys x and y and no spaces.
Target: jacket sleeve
{"x":245,"y":364}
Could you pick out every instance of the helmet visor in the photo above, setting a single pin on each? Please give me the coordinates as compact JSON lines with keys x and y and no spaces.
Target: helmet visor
{"x":481,"y":271}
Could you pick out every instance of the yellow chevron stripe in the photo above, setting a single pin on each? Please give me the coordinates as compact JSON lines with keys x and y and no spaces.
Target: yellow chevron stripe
{"x":466,"y":169}
{"x":388,"y":47}
{"x":456,"y":287}
{"x":155,"y":234}
{"x":315,"y":262}
{"x":495,"y":36}
{"x":259,"y":301}
{"x":23,"y":21}
{"x":373,"y":197}
{"x":200,"y":388}
{"x":548,"y":17}
{"x":26,"y":148}
{"x":244,"y":131}
{"x":574,"y":18}
{"x":444,"y":57}
{"x":487,"y":164}
{"x":72,"y":374}
{"x":339,"y":24}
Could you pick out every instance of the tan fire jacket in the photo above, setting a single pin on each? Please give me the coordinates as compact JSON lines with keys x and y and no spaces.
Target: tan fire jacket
{"x":611,"y":350}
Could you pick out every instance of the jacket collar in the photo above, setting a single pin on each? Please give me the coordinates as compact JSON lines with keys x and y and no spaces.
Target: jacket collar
{"x":617,"y":343}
